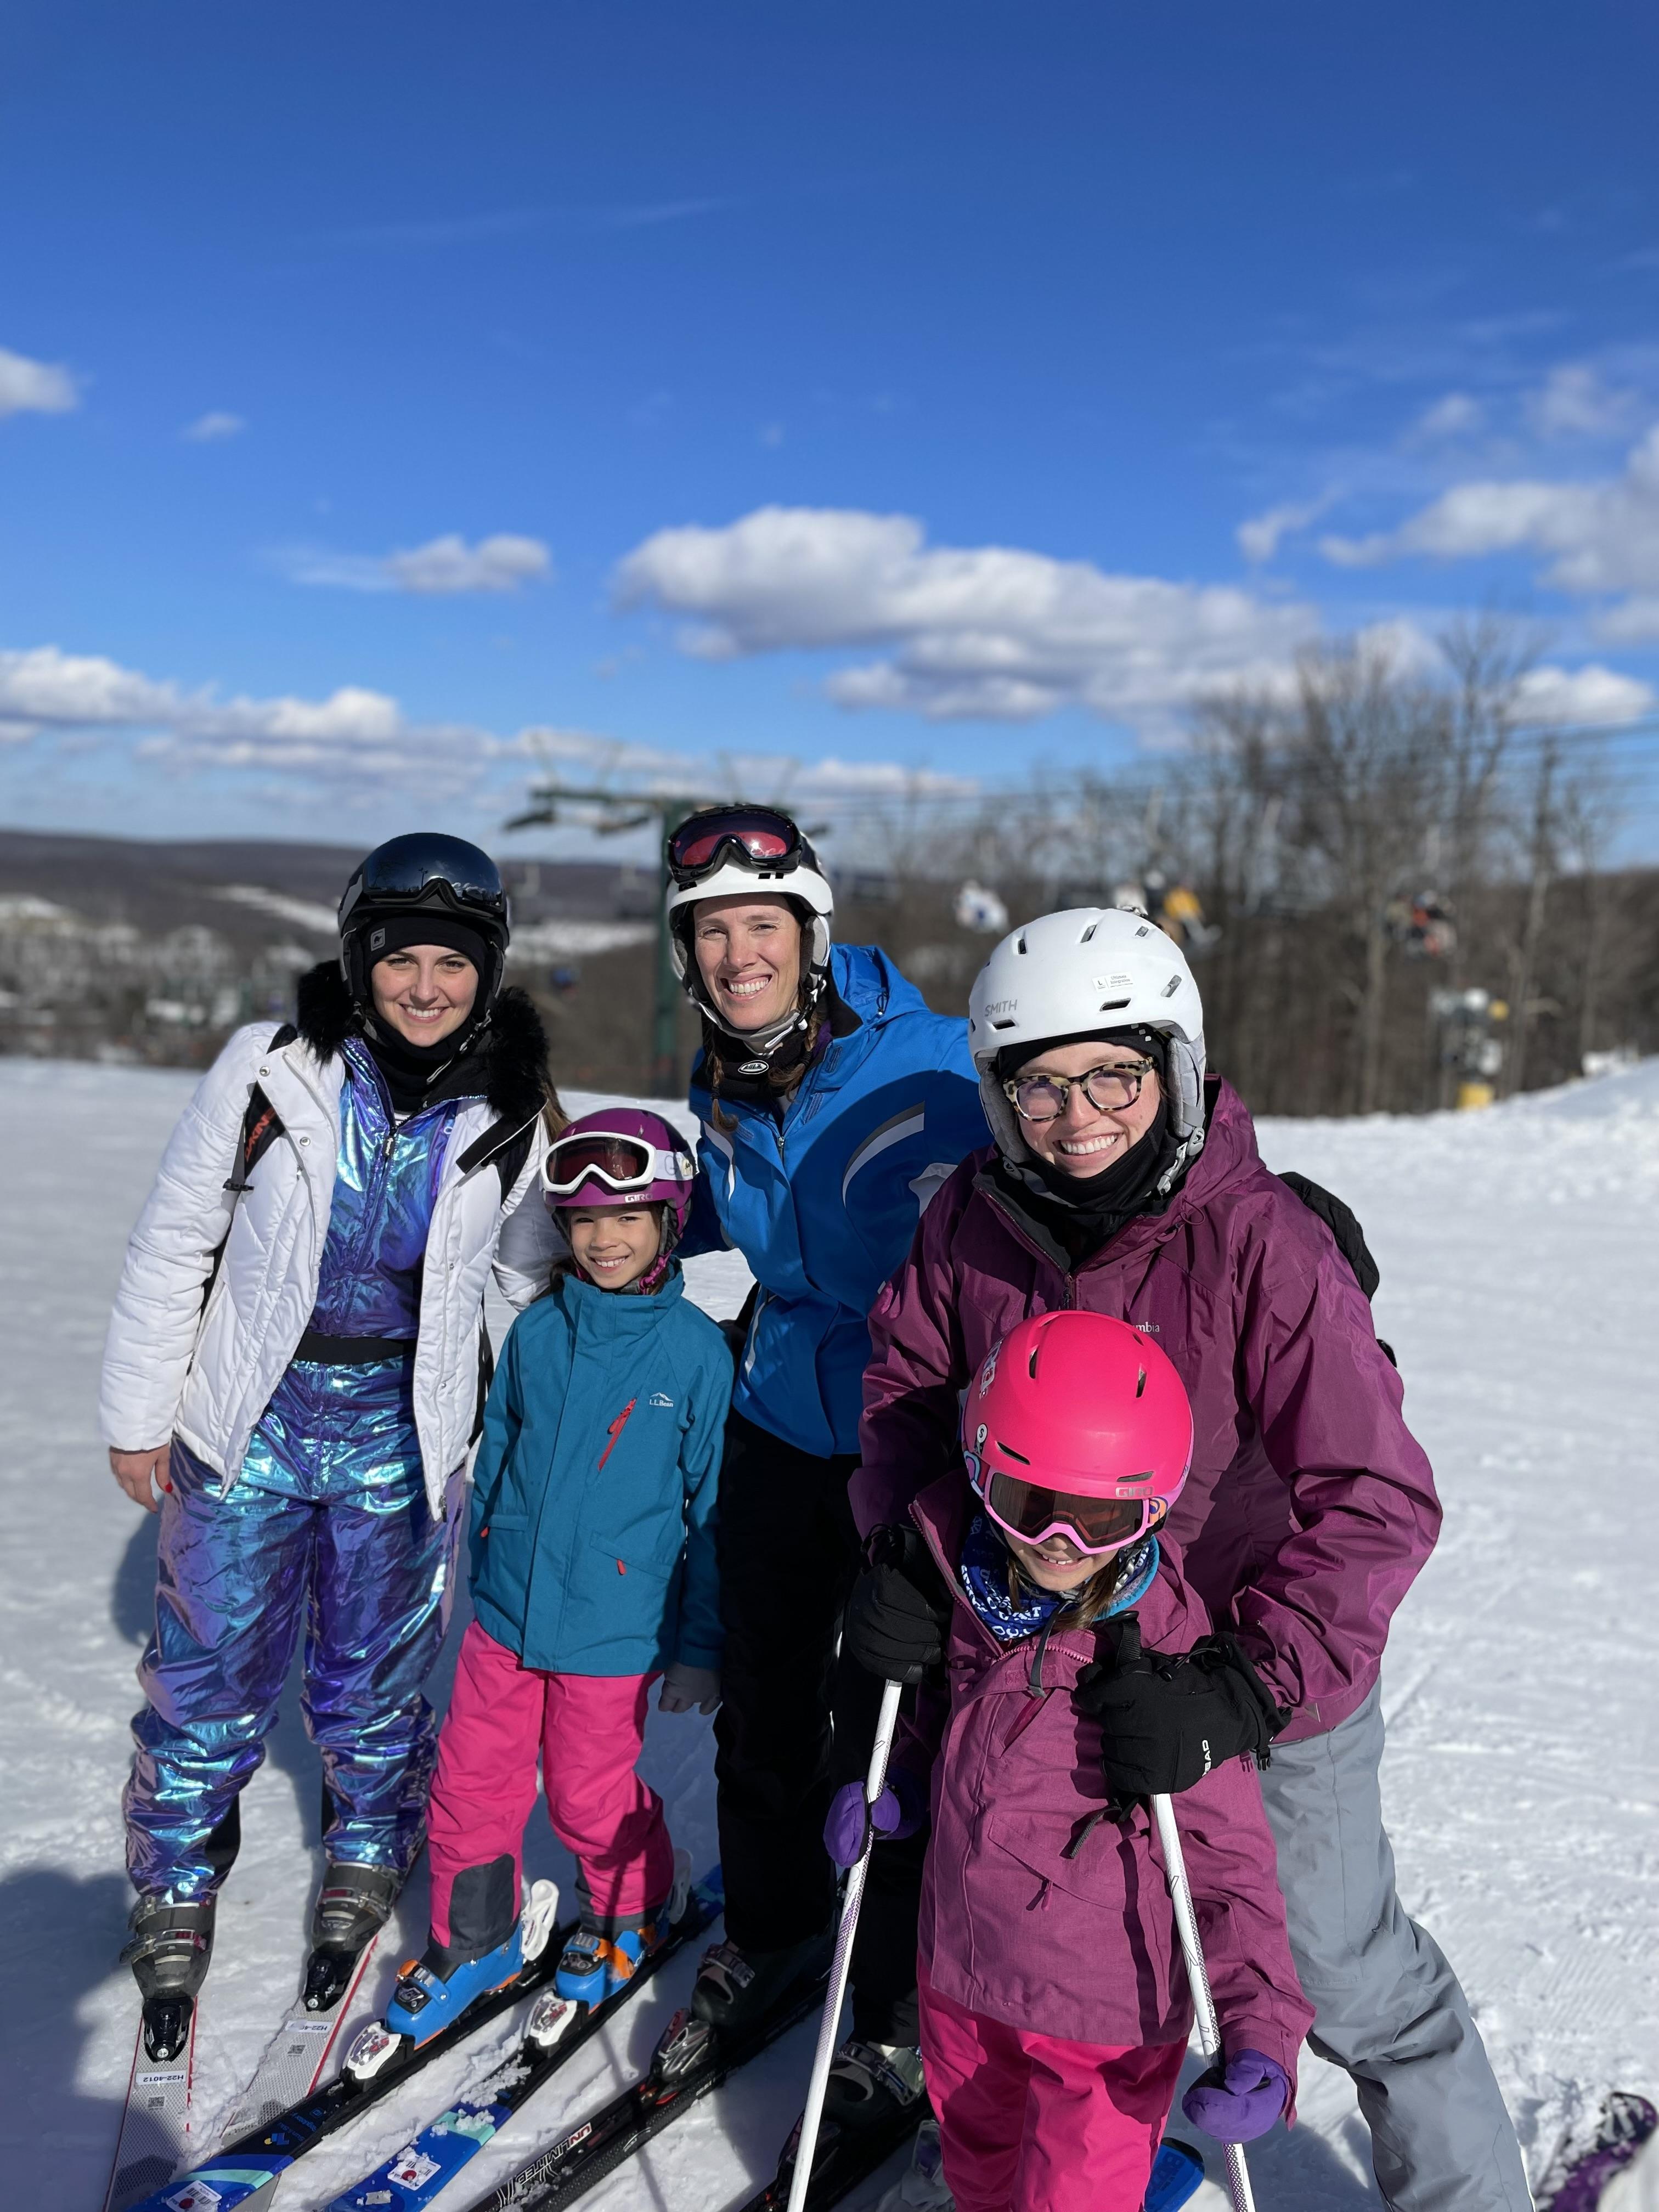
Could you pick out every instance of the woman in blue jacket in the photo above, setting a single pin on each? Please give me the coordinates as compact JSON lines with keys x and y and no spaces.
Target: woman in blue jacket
{"x":832,"y":1105}
{"x":593,"y":1573}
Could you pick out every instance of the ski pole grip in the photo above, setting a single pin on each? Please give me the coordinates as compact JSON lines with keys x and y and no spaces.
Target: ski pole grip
{"x":806,"y":2142}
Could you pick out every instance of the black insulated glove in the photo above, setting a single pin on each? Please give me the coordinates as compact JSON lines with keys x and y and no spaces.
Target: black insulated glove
{"x":899,"y":1613}
{"x":1167,"y":1719}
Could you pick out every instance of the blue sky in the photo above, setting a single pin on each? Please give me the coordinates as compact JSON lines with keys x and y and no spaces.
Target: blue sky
{"x":950,"y":388}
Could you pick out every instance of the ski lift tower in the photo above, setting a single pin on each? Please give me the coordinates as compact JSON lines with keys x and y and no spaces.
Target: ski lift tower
{"x":618,"y":812}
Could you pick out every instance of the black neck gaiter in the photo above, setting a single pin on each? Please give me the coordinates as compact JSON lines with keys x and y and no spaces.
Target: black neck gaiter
{"x":419,"y":1075}
{"x":1083,"y":1213}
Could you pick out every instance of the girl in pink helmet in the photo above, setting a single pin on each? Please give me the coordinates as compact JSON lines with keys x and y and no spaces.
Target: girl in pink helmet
{"x":593,"y":1574}
{"x":1055,"y":2005}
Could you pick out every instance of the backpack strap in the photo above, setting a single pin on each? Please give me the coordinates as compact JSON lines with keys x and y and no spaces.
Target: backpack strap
{"x":508,"y":1143}
{"x":1344,"y":1225}
{"x":261,"y":1125}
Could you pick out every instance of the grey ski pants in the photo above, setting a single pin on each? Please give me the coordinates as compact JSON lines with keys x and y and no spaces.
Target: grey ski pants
{"x":1389,"y":2009}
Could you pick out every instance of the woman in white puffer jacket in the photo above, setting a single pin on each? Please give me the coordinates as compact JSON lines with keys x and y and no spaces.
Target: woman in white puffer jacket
{"x":295,"y":1361}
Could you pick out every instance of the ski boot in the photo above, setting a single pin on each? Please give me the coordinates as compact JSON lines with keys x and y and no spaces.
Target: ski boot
{"x":602,"y":1958}
{"x":870,"y":2083}
{"x":354,"y":1903}
{"x":170,"y":1946}
{"x":437,"y":1988}
{"x":921,"y":2187}
{"x":735,"y":1987}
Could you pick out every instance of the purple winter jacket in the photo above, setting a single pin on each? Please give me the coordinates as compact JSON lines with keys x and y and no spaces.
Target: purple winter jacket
{"x":1038,"y":1911}
{"x":1310,"y":1506}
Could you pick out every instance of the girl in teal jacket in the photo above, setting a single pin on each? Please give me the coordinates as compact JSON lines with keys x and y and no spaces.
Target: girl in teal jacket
{"x":593,"y":1574}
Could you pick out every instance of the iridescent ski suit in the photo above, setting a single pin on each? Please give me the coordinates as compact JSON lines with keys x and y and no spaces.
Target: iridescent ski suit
{"x":328,"y":1524}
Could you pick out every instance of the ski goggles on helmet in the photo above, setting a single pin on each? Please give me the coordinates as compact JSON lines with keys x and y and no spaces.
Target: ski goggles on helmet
{"x":427,"y":869}
{"x":626,"y":1165}
{"x":752,"y":836}
{"x":1033,"y":1512}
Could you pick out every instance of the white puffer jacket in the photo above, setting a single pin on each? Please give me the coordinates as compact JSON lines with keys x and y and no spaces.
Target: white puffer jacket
{"x":173,"y":1367}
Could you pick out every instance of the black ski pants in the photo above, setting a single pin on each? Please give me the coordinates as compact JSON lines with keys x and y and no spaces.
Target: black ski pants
{"x":795,"y":1722}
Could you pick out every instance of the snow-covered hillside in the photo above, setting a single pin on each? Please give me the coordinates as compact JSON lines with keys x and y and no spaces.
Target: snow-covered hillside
{"x":1517,"y":1255}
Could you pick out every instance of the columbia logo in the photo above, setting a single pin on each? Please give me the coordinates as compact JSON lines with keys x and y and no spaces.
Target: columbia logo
{"x":657,"y":1398}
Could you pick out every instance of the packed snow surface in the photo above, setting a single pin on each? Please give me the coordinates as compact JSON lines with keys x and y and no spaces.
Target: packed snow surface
{"x":1518,"y":1251}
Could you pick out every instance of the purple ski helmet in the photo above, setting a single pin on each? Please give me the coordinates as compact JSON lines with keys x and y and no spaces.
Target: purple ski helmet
{"x":621,"y":1156}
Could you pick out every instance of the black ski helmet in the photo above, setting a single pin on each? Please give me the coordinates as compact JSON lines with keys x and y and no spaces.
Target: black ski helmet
{"x":408,"y":878}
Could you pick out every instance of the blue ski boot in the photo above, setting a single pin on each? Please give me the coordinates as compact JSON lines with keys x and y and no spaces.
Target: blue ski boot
{"x":602,"y":1958}
{"x":437,"y":1988}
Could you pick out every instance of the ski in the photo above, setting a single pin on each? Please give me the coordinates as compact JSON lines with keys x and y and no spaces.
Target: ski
{"x":1593,"y":2151}
{"x":155,"y":2124}
{"x":245,"y":2171}
{"x":557,"y":2029}
{"x":691,"y":2060}
{"x":293,"y":2062}
{"x":843,"y":2158}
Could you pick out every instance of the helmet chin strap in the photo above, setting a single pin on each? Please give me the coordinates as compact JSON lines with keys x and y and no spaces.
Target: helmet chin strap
{"x":762,"y":1042}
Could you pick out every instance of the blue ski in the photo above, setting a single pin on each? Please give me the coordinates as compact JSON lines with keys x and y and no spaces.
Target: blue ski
{"x":556,"y":2029}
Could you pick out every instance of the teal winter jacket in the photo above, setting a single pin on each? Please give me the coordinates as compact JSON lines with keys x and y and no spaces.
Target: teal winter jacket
{"x":592,"y":1526}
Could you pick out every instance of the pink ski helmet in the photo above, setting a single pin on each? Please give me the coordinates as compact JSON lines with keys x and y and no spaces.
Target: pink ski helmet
{"x":1076,"y":1425}
{"x":621,"y":1156}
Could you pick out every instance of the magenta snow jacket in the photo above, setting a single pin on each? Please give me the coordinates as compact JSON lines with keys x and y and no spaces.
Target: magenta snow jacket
{"x":1036,"y":1907}
{"x":1310,"y":1506}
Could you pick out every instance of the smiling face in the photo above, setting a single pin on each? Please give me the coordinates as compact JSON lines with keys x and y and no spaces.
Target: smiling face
{"x":748,"y":953}
{"x":1084,"y":1141}
{"x":424,"y":993}
{"x":613,"y":1245}
{"x":1055,"y":1564}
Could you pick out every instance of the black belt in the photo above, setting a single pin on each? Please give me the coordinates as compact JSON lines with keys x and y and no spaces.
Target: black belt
{"x":352,"y":1351}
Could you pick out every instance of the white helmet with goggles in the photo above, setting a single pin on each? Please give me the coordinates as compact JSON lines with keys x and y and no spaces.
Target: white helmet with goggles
{"x":743,"y":852}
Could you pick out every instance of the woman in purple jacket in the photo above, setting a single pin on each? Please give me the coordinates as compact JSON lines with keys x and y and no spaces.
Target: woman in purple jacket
{"x":1125,"y":1181}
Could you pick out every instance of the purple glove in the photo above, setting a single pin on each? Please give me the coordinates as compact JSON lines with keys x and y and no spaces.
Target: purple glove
{"x":899,"y":1811}
{"x":1242,"y":2103}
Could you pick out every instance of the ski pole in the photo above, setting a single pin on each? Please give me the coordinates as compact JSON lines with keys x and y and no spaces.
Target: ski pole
{"x":1209,"y":2032}
{"x":841,"y":1965}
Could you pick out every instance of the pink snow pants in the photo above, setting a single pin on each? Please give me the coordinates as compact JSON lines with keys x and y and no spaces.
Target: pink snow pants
{"x":588,"y":1730}
{"x":1033,"y":2123}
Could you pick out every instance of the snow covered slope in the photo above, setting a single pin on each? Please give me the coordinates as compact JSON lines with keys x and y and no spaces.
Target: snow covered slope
{"x":1517,"y":1255}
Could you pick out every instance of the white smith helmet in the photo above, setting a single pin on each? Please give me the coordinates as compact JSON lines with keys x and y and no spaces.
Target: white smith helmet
{"x":1072,"y":975}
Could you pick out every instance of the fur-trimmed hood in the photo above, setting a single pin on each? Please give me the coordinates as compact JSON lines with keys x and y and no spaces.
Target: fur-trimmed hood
{"x":510,"y":1049}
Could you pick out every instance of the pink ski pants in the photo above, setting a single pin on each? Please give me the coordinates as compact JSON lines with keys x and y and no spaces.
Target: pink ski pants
{"x":588,"y":1730}
{"x":1033,"y":2123}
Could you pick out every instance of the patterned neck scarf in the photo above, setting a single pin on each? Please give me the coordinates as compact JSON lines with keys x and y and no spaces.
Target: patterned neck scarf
{"x":1013,"y":1608}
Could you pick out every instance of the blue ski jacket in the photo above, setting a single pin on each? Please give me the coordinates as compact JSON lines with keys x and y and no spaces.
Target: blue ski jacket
{"x":823,"y":1203}
{"x":592,"y":1527}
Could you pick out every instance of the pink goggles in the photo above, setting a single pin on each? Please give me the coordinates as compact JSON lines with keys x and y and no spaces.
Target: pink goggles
{"x":1033,"y":1513}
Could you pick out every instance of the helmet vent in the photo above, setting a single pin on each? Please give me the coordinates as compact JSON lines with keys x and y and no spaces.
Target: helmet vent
{"x":1113,"y":1006}
{"x":1011,"y":1453}
{"x":1089,"y":933}
{"x":1144,"y":930}
{"x":1019,"y":942}
{"x":1140,"y":1385}
{"x":1171,"y":987}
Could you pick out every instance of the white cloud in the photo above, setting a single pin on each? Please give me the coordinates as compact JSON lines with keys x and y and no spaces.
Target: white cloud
{"x":1258,"y":537}
{"x":445,"y":567}
{"x":210,"y":429}
{"x":1579,"y":695}
{"x":35,"y":387}
{"x":1601,"y":537}
{"x":1575,"y":402}
{"x":1457,"y":416}
{"x":988,"y":631}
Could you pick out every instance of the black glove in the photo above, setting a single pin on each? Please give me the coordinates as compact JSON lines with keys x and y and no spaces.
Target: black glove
{"x":1166,"y":1719}
{"x":899,"y":1613}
